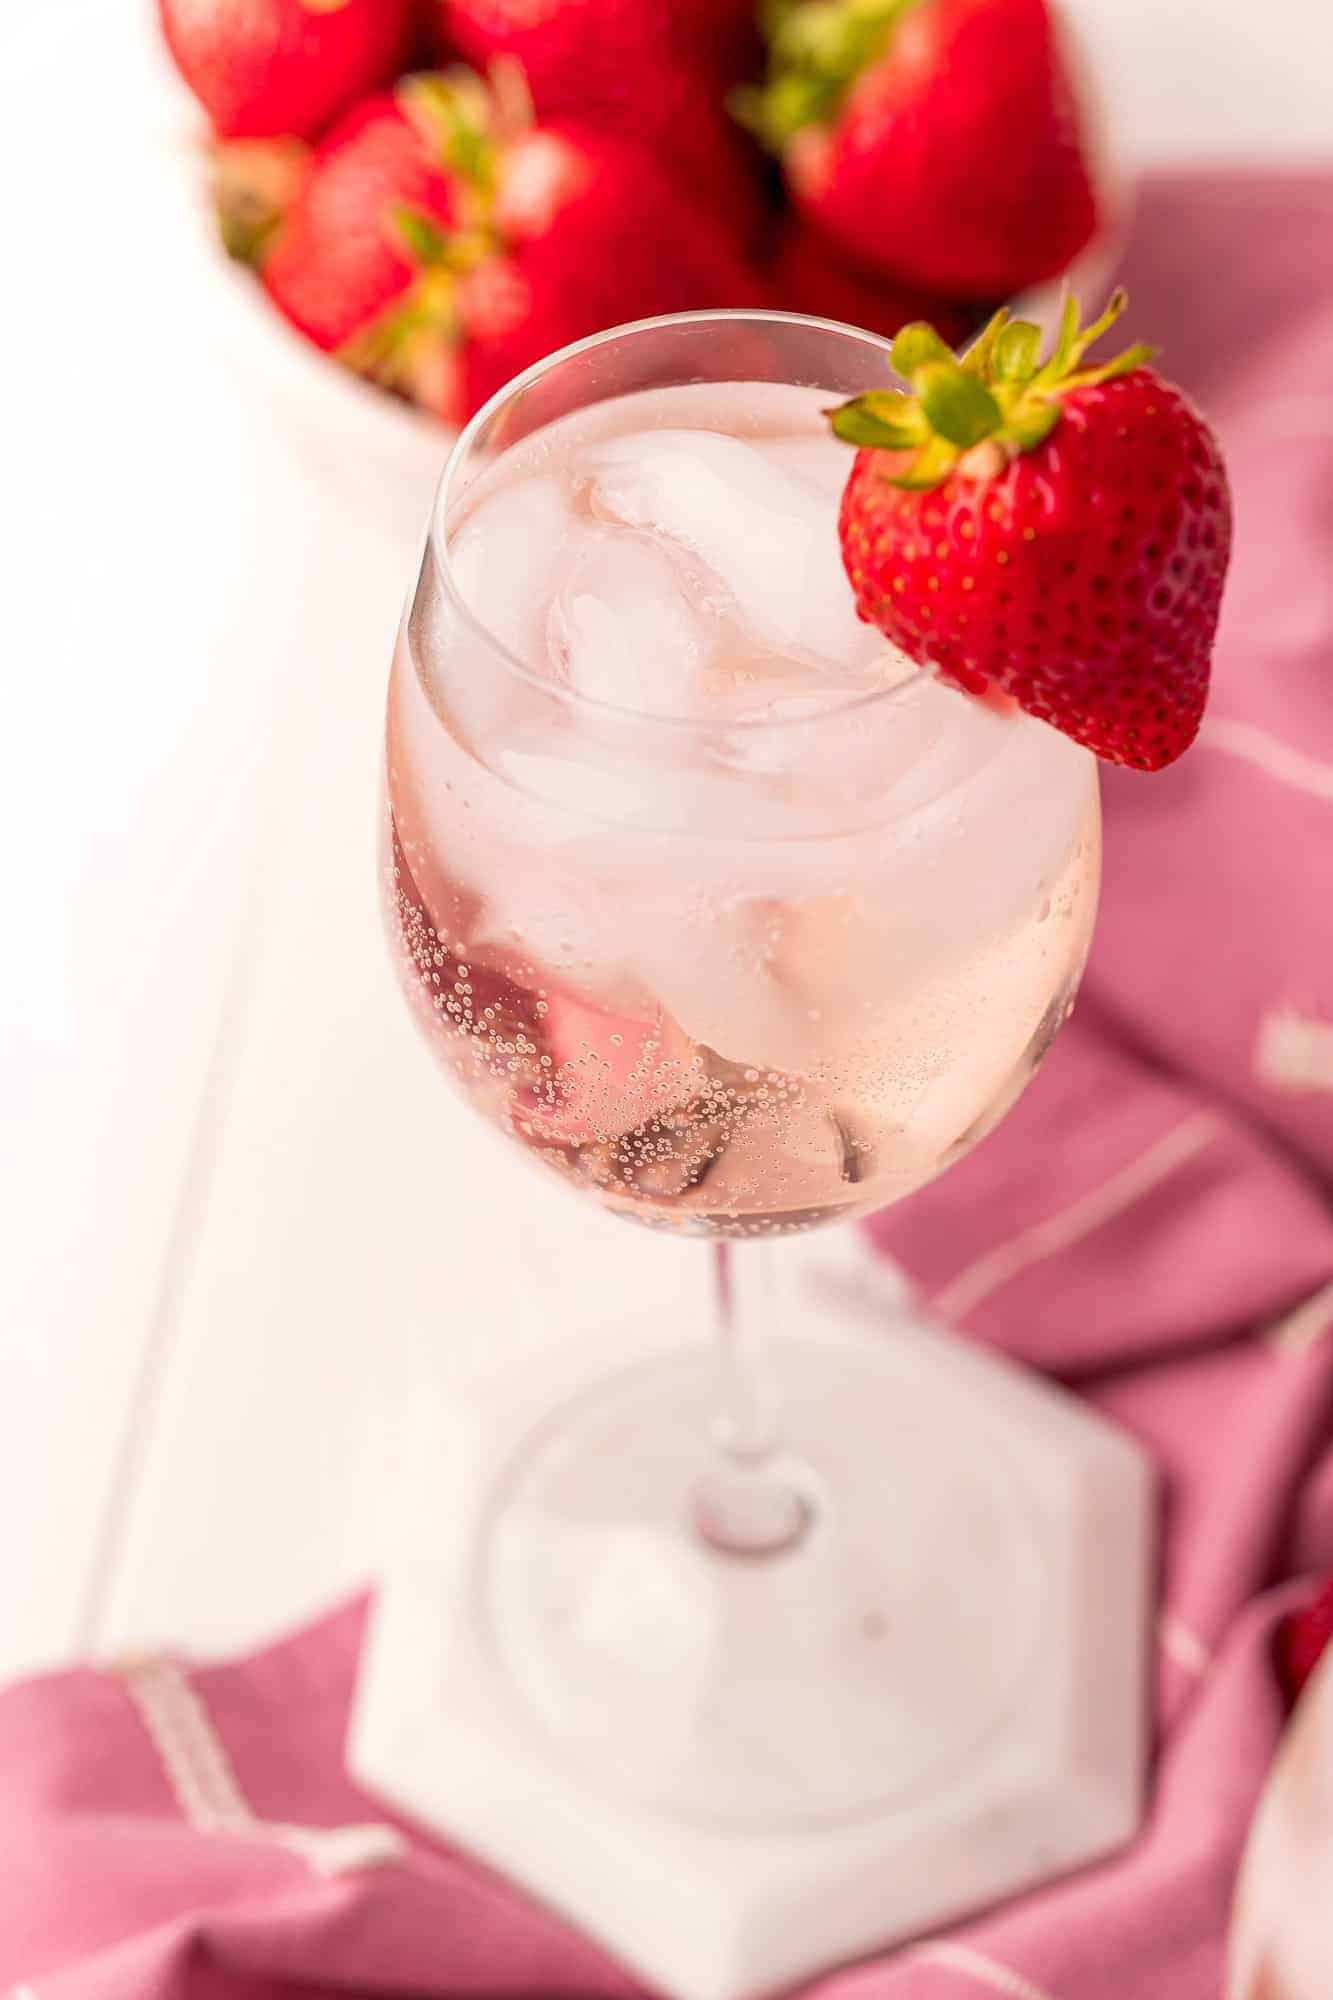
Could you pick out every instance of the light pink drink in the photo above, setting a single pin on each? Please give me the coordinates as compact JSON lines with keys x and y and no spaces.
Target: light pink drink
{"x":717,"y":905}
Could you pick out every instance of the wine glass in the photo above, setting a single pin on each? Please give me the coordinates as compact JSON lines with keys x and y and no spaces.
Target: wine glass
{"x":741,"y":924}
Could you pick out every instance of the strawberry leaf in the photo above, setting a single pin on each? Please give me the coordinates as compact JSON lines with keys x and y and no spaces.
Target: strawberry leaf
{"x":886,"y":422}
{"x":957,"y":406}
{"x":977,"y":359}
{"x":422,"y":320}
{"x":1016,"y":352}
{"x":999,"y":393}
{"x":1115,"y":305}
{"x":932,"y":464}
{"x":1133,"y":357}
{"x":1063,"y":352}
{"x":1071,"y":345}
{"x":916,"y":344}
{"x":454,"y":113}
{"x":816,"y":51}
{"x":425,"y":242}
{"x":774,"y":111}
{"x":1030,"y":424}
{"x":255,"y":182}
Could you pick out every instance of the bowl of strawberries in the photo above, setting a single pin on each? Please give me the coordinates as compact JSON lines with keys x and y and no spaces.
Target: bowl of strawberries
{"x":423,"y":197}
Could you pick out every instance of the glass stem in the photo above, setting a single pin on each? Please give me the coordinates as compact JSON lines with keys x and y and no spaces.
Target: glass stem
{"x":747,"y":1503}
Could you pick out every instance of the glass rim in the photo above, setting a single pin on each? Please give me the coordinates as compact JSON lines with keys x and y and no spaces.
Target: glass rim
{"x":590,"y":704}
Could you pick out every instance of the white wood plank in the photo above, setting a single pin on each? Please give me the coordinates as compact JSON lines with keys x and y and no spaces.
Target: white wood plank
{"x":136,"y":727}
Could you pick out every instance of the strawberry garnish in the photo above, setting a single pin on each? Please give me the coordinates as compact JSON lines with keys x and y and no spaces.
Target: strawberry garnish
{"x":938,"y":140}
{"x":268,"y":68}
{"x":1303,"y":1637}
{"x":1055,"y":531}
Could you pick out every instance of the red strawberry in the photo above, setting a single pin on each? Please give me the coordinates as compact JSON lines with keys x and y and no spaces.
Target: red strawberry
{"x":264,"y":68}
{"x":654,"y":71}
{"x":442,"y":242}
{"x":580,"y":52}
{"x":1302,"y":1638}
{"x":936,"y":140}
{"x":809,"y":275}
{"x":1056,"y":532}
{"x":593,"y":234}
{"x":347,"y":253}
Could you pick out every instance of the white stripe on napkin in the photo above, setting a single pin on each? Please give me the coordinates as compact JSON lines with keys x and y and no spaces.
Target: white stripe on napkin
{"x":205,"y":1785}
{"x":1269,"y":754}
{"x":996,"y":1267}
{"x":1183,"y":1646}
{"x":986,"y":1971}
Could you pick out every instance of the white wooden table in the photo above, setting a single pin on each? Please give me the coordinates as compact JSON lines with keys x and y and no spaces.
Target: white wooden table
{"x":245,"y":1235}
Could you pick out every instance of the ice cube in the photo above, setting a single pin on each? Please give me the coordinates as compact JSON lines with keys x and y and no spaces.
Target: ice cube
{"x":550,"y":922}
{"x":710,"y":959}
{"x":581,"y":788}
{"x":595,"y":789}
{"x":620,"y":630}
{"x":824,"y":461}
{"x":505,"y":559}
{"x":768,"y":534}
{"x":773,"y":743}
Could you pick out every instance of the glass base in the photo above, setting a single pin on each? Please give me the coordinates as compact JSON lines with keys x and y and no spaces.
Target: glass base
{"x":852,"y":1672}
{"x":935,"y":1700}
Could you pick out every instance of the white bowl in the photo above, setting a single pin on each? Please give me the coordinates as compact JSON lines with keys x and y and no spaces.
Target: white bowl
{"x":378,"y":458}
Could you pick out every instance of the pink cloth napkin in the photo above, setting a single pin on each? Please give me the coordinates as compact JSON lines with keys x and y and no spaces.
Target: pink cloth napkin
{"x":1153,"y":1223}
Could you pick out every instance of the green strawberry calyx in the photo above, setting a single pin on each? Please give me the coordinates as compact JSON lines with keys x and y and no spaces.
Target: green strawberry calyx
{"x":255,"y":182}
{"x":462,"y":123}
{"x":816,"y":51}
{"x":466,"y":123}
{"x":986,"y":406}
{"x":404,"y":348}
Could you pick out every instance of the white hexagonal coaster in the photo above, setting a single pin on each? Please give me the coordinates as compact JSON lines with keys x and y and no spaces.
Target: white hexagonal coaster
{"x":734,"y":1776}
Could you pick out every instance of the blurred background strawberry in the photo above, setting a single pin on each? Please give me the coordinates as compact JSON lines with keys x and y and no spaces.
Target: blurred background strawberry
{"x":444,"y":239}
{"x":1304,"y":1637}
{"x":814,"y":274}
{"x":600,"y":160}
{"x":583,"y":52}
{"x":938,"y":141}
{"x":263,"y":68}
{"x":657,"y":71}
